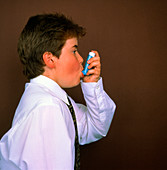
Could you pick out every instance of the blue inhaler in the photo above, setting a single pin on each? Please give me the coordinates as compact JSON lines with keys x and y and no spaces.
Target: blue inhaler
{"x":91,"y":54}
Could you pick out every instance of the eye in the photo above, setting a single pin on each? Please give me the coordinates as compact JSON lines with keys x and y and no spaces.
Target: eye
{"x":74,"y":51}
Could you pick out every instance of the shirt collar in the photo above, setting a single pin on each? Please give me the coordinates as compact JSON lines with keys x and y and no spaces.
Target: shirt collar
{"x":52,"y":86}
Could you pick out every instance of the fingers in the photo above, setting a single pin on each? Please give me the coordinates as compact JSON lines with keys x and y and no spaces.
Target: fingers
{"x":94,"y":61}
{"x":95,"y":68}
{"x":94,"y":71}
{"x":94,"y":65}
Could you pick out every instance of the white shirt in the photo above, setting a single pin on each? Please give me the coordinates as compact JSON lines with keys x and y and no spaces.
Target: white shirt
{"x":42,"y":135}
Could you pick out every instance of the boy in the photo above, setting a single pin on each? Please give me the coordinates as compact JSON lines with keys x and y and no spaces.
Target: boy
{"x":48,"y":125}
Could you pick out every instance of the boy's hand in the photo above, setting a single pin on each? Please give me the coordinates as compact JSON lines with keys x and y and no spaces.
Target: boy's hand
{"x":95,"y":66}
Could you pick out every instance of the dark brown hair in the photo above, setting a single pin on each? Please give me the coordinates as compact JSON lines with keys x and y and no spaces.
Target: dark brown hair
{"x":44,"y":33}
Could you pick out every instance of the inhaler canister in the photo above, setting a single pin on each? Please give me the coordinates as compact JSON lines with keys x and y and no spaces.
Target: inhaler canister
{"x":91,"y":54}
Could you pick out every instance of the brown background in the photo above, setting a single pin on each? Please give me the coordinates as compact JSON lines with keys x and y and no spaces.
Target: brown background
{"x":131,"y":37}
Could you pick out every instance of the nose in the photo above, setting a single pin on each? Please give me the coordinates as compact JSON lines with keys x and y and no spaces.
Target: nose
{"x":80,"y":59}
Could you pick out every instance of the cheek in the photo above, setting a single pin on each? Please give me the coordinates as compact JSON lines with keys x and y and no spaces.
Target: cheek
{"x":74,"y":66}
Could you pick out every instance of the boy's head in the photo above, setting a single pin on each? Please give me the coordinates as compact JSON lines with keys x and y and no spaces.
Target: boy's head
{"x":44,"y":33}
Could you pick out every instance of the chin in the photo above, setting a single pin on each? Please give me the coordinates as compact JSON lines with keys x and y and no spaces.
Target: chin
{"x":72,"y":85}
{"x":76,"y":84}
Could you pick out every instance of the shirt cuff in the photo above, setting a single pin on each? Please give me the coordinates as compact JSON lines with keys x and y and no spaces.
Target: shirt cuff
{"x":92,"y":88}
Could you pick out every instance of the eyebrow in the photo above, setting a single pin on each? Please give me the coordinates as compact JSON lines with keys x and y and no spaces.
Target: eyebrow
{"x":75,"y":46}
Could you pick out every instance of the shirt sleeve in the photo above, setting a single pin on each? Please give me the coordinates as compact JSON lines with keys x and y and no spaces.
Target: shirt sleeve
{"x":43,"y":141}
{"x":95,"y":118}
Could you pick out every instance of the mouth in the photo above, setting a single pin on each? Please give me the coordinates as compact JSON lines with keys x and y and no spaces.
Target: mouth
{"x":82,"y":75}
{"x":82,"y":68}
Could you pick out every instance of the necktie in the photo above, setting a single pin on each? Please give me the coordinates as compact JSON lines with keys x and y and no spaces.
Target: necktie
{"x":77,"y":149}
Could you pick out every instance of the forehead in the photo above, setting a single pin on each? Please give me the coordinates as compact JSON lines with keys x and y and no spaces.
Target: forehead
{"x":71,"y":43}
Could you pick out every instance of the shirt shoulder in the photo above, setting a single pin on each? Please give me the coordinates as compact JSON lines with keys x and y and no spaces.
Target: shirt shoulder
{"x":38,"y":95}
{"x":33,"y":98}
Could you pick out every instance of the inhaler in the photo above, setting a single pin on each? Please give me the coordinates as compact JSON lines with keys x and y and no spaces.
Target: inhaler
{"x":91,"y":54}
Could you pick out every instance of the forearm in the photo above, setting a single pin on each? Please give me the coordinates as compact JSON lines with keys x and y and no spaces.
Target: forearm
{"x":99,"y":113}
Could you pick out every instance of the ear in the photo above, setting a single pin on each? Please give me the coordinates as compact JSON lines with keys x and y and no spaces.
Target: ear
{"x":49,"y":59}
